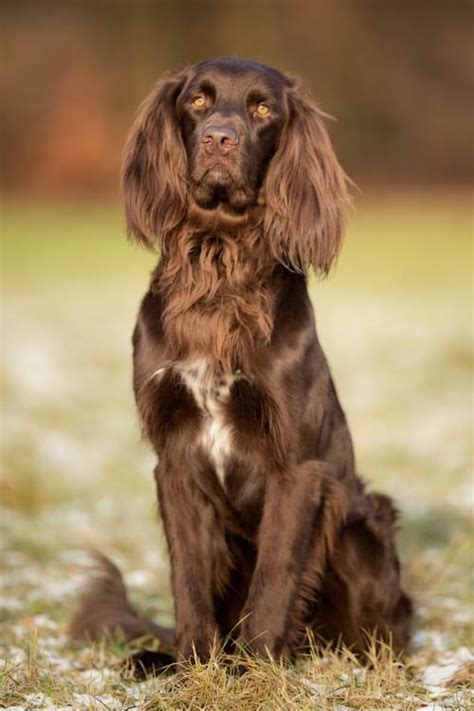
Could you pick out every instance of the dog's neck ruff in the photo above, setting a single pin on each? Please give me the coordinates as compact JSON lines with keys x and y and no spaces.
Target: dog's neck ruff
{"x":218,"y":303}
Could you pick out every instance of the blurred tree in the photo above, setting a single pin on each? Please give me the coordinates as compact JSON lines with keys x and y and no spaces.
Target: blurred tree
{"x":76,"y":148}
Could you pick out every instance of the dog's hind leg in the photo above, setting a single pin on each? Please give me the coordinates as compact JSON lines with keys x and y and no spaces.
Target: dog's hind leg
{"x":362,"y":595}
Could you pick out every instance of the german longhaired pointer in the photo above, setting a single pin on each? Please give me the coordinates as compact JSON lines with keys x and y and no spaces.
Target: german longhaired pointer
{"x":229,"y":171}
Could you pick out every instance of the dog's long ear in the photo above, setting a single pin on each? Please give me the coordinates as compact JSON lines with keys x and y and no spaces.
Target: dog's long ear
{"x":154,"y":166}
{"x":306,"y":190}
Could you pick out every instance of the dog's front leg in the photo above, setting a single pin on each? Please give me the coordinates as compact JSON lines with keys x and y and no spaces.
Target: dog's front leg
{"x":301,"y":510}
{"x":195,"y":541}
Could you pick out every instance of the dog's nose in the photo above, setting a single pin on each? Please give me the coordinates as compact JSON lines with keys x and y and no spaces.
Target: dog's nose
{"x":220,"y":138}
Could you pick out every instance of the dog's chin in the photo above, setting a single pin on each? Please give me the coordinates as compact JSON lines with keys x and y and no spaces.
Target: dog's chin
{"x":217,"y":189}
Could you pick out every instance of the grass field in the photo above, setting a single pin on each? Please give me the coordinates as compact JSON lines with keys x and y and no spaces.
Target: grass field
{"x":395,"y":321}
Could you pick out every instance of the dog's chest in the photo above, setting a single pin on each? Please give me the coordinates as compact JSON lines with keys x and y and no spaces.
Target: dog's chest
{"x":211,"y":393}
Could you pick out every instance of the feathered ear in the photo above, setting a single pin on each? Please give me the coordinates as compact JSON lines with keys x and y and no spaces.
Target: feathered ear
{"x":155,"y":165}
{"x":306,"y":190}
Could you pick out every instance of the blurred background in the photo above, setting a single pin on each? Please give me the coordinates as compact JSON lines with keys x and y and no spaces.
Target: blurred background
{"x":395,"y":74}
{"x":394,"y":317}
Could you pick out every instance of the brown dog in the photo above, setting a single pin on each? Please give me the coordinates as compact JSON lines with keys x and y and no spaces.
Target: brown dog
{"x":229,"y":170}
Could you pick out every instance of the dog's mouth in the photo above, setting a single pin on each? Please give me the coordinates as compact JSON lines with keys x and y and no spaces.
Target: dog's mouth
{"x":218,"y":174}
{"x":218,"y":187}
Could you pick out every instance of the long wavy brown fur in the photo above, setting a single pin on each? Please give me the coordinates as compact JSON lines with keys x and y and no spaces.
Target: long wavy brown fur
{"x":217,"y":301}
{"x":213,"y":277}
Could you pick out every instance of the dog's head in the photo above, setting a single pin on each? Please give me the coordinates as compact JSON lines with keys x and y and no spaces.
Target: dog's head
{"x":226,"y":141}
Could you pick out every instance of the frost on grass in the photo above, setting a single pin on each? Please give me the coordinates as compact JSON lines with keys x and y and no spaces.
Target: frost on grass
{"x":436,"y":676}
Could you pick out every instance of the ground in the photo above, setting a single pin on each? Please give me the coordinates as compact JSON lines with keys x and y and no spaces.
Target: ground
{"x":394,"y":319}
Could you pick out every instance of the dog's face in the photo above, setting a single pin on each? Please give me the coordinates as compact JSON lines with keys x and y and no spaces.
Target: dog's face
{"x":228,"y":135}
{"x":230,"y":114}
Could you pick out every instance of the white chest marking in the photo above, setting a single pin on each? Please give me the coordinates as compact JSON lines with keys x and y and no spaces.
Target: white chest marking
{"x":211,"y":393}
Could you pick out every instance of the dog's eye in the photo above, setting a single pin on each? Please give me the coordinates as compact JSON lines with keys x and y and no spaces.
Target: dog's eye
{"x":199,"y":101}
{"x":262,"y":110}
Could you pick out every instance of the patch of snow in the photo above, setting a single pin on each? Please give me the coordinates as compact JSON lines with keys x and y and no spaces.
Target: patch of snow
{"x":140,"y":578}
{"x":39,"y":700}
{"x":35,"y":367}
{"x":435,"y":676}
{"x":435,"y":640}
{"x":318,"y":688}
{"x":10,"y":603}
{"x":75,"y":556}
{"x":95,"y":679}
{"x":462,"y":617}
{"x":44,"y":622}
{"x":16,"y":656}
{"x":89,"y":701}
{"x":85,"y":699}
{"x":65,"y":454}
{"x":60,"y":588}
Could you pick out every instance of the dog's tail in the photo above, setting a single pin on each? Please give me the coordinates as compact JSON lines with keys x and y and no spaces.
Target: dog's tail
{"x":104,"y":610}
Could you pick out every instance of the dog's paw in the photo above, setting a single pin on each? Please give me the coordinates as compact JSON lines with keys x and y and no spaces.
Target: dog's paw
{"x":148,"y":663}
{"x":198,"y":646}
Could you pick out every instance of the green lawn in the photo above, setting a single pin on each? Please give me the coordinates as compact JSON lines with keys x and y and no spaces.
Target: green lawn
{"x":395,"y":321}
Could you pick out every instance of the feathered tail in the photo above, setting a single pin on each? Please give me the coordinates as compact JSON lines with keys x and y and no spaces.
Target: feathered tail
{"x":104,"y":610}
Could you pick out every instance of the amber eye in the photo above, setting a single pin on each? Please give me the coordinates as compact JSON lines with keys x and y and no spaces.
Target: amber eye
{"x":263,"y":110}
{"x":199,"y":101}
